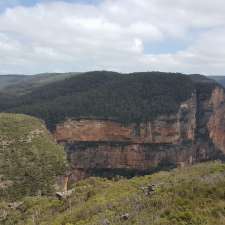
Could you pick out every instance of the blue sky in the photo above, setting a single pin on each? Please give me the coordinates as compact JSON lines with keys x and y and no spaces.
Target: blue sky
{"x":4,"y":4}
{"x":123,"y":35}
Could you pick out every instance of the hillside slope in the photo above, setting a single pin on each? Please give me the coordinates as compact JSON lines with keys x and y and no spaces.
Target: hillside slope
{"x":193,"y":195}
{"x":30,"y":160}
{"x":8,"y":80}
{"x":24,"y":84}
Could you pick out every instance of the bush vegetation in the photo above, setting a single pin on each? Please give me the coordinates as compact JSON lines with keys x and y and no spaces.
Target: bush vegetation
{"x":188,"y":196}
{"x":29,"y":158}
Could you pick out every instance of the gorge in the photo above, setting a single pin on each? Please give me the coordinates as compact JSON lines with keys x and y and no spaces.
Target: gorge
{"x":129,"y":124}
{"x":107,"y":147}
{"x":194,"y":134}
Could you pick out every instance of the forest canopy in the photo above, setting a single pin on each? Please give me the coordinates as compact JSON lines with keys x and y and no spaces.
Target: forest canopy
{"x":128,"y":98}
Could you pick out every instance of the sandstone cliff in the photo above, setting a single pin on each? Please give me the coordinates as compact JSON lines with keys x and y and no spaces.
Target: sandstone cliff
{"x":216,"y":123}
{"x":195,"y":133}
{"x":167,"y":129}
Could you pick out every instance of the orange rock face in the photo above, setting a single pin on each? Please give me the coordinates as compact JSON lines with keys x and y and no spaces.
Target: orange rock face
{"x":216,"y":124}
{"x":195,"y":133}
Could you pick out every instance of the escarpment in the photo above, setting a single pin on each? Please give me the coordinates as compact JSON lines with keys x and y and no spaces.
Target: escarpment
{"x":216,"y":123}
{"x":107,"y":147}
{"x":130,"y":123}
{"x":166,"y":129}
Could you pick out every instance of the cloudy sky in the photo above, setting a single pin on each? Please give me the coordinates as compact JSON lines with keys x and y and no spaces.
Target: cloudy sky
{"x":123,"y":35}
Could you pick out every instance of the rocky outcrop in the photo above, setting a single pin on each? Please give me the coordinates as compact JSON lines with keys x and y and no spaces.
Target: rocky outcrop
{"x":195,"y":133}
{"x":216,"y":123}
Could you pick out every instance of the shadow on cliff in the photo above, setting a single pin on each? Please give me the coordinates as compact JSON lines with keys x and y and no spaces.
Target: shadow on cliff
{"x":113,"y":173}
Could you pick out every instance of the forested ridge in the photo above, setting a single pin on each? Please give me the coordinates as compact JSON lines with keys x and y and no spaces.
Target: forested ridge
{"x":128,"y":98}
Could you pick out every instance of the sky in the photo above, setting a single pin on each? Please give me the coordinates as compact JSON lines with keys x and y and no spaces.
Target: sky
{"x":186,"y":36}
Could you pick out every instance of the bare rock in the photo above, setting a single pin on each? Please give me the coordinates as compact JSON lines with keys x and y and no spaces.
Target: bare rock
{"x":64,"y":195}
{"x":125,"y":216}
{"x":105,"y":222}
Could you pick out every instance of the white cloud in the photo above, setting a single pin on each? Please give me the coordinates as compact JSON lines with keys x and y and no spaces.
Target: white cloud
{"x":114,"y":35}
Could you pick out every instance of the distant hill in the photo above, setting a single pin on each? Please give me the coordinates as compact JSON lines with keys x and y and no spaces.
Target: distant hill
{"x":24,"y":84}
{"x":7,"y":80}
{"x":219,"y":79}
